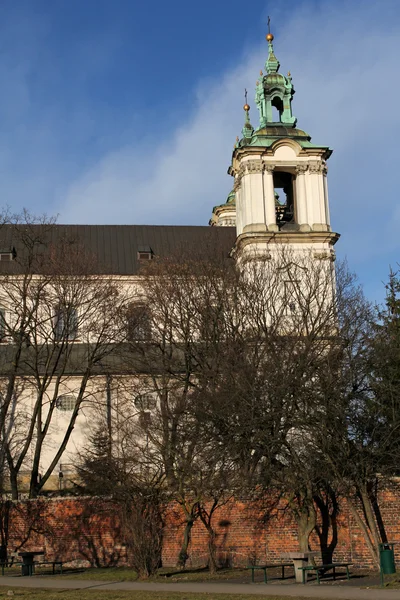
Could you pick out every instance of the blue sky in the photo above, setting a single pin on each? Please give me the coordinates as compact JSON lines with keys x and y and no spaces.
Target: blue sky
{"x":117,"y":111}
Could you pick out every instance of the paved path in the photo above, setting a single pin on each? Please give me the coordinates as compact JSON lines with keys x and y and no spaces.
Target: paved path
{"x":308,"y":591}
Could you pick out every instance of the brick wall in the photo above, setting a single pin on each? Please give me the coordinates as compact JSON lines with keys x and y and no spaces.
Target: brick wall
{"x":87,"y":531}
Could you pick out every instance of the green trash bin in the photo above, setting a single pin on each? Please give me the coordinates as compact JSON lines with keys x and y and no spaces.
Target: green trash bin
{"x":386,"y":552}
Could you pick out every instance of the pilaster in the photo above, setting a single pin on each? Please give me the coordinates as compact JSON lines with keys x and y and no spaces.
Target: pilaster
{"x":301,"y":198}
{"x":317,"y":195}
{"x":269,"y":198}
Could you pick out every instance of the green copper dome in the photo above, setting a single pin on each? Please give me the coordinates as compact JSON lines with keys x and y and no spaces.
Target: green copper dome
{"x":275,"y":78}
{"x":231,"y":199}
{"x":273,"y":91}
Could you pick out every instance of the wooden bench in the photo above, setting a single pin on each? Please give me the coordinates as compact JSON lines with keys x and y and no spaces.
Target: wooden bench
{"x":320,"y":568}
{"x":265,"y":567}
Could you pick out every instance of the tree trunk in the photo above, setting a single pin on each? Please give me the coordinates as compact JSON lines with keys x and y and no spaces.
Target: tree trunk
{"x":328,"y":507}
{"x":373,"y":495}
{"x":13,"y":475}
{"x":365,"y":531}
{"x":370,"y":517}
{"x":212,"y":550}
{"x":183,"y":555}
{"x":206,"y":519}
{"x":4,"y":526}
{"x":305,"y":524}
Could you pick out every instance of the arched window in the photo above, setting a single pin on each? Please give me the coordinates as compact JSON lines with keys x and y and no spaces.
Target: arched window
{"x":277,"y":109}
{"x":284,"y":197}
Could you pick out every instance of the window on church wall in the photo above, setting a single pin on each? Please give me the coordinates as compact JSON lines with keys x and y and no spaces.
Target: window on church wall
{"x":284,"y":197}
{"x":65,"y":323}
{"x":144,"y":420}
{"x":146,"y":402}
{"x":66,"y":403}
{"x":3,"y":324}
{"x":290,"y":296}
{"x":138,"y":323}
{"x":212,"y":321}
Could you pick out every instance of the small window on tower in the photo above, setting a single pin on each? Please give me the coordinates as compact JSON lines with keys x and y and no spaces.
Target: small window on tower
{"x":291,"y":295}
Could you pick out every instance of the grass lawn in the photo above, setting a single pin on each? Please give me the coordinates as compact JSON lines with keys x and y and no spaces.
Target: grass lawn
{"x":33,"y":594}
{"x":392,"y":582}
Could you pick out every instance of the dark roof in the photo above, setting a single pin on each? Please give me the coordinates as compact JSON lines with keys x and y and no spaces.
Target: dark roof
{"x":115,"y":247}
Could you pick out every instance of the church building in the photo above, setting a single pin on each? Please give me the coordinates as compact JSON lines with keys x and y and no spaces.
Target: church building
{"x":279,"y":199}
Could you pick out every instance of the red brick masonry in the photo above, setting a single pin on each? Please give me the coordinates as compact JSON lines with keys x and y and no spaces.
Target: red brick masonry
{"x":87,"y":531}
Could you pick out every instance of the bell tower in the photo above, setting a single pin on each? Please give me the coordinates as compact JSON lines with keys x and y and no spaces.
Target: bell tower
{"x":280,"y":176}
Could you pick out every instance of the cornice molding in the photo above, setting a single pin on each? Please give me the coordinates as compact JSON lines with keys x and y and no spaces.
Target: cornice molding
{"x":292,"y":237}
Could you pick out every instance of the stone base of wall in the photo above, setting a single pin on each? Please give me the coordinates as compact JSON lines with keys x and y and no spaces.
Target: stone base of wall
{"x":87,"y":531}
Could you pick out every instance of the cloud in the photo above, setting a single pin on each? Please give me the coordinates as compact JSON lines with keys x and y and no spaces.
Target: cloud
{"x":174,"y":180}
{"x":343,"y":59}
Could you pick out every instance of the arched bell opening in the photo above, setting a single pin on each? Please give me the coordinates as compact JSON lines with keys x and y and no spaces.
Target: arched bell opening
{"x":284,"y":189}
{"x":277,"y":109}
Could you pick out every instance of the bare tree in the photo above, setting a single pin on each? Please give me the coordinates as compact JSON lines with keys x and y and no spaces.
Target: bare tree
{"x":137,"y":498}
{"x":264,"y":394}
{"x":175,"y":440}
{"x":61,"y":320}
{"x":360,"y":438}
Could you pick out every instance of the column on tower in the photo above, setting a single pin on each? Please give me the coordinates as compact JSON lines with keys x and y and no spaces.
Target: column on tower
{"x":302,"y":216}
{"x":269,"y":198}
{"x":239,"y":204}
{"x":316,"y":194}
{"x":252,"y":194}
{"x":327,"y":213}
